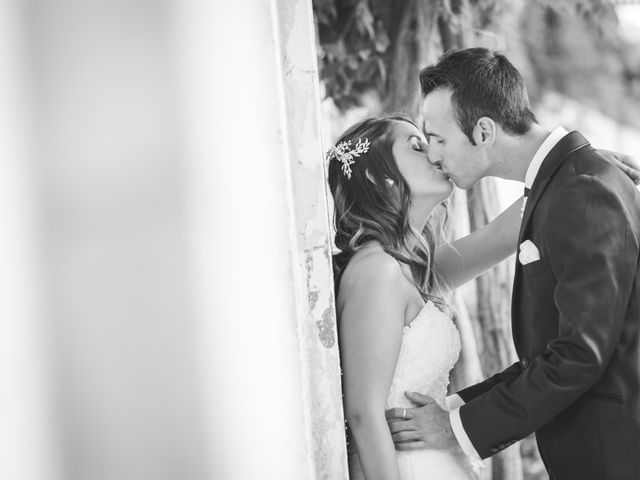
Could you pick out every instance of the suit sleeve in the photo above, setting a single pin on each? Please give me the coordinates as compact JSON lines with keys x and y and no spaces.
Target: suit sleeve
{"x":593,"y":254}
{"x":510,"y":373}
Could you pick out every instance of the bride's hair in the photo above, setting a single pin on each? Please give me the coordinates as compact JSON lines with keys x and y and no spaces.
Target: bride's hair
{"x":373,"y":204}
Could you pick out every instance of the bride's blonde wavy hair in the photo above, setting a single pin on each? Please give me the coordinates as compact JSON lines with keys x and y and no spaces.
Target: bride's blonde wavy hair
{"x":368,"y":207}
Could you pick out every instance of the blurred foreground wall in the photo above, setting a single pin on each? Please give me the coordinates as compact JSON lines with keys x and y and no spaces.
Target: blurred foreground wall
{"x":167,"y":305}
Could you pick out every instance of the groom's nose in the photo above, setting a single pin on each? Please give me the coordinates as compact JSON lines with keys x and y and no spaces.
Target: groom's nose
{"x":433,"y":159}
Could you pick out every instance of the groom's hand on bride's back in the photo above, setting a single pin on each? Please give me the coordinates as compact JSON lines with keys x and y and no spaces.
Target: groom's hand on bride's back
{"x":425,"y":426}
{"x":628,"y":164}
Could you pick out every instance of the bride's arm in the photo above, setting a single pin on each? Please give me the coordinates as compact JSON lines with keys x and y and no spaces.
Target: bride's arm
{"x":370,"y":333}
{"x":628,"y":164}
{"x":466,"y":258}
{"x":470,"y":256}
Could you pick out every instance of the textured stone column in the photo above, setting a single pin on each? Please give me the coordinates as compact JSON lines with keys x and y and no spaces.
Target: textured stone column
{"x":259,"y":230}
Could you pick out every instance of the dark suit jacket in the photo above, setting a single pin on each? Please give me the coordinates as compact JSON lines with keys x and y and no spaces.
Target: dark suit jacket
{"x":576,"y":326}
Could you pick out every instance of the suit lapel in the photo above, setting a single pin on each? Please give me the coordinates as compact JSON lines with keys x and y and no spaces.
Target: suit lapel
{"x":550,"y":165}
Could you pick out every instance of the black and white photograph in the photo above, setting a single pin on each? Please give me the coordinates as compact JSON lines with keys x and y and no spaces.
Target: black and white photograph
{"x":320,"y":239}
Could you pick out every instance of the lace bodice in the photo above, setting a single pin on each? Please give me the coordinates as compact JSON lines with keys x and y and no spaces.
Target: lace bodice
{"x":430,"y":348}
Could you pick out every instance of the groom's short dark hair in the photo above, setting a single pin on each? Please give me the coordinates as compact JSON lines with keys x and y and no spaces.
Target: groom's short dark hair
{"x":483,"y":84}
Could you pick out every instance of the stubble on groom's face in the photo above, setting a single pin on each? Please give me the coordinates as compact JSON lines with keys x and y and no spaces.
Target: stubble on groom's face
{"x":450,"y":150}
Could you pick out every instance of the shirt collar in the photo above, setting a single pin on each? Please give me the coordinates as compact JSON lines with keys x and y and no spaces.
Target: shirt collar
{"x":552,"y":139}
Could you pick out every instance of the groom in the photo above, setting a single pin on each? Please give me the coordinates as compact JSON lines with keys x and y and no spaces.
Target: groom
{"x":576,"y":292}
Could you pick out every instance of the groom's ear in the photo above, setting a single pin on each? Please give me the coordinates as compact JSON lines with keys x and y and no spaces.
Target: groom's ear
{"x":484,"y":133}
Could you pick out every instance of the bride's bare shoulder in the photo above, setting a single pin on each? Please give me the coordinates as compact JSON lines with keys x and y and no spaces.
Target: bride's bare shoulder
{"x":370,"y":270}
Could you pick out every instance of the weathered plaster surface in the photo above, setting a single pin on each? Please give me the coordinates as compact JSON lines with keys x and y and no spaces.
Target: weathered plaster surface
{"x":317,"y":330}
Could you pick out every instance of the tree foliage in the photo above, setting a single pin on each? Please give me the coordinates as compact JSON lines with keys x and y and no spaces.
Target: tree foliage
{"x":361,"y":41}
{"x":583,"y":57}
{"x":353,"y":49}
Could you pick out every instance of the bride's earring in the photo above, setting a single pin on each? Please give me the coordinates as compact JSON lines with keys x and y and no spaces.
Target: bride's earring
{"x":390,"y":182}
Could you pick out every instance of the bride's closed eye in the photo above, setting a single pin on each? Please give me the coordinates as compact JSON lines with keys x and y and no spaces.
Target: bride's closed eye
{"x":418,"y":146}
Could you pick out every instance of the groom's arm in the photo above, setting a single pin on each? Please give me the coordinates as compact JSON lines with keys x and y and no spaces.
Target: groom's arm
{"x":593,"y":254}
{"x":455,"y":401}
{"x":469,"y":393}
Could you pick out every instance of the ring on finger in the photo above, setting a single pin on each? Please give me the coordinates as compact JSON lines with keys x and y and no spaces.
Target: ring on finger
{"x":404,"y":413}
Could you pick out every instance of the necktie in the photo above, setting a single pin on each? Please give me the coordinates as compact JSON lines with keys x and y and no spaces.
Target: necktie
{"x":524,"y":200}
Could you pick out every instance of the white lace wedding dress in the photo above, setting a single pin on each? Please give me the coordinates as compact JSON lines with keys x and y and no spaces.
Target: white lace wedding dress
{"x":430,"y":348}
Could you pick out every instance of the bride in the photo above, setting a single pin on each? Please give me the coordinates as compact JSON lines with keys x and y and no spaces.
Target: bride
{"x":395,"y":332}
{"x":393,"y":275}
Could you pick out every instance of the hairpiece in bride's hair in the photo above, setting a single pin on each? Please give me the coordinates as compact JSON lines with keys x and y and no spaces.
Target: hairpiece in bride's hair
{"x":345,"y":153}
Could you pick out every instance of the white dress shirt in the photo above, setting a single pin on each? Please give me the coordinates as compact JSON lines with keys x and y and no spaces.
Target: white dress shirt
{"x":536,"y":162}
{"x":454,"y":402}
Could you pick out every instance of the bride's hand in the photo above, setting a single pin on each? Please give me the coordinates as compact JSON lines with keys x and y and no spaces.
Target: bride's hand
{"x":426,"y":426}
{"x":628,"y":164}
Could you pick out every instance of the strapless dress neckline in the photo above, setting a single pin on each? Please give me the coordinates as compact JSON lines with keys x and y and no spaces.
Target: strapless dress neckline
{"x":427,"y":307}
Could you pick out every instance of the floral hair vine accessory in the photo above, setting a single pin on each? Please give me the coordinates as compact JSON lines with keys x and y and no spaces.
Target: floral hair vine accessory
{"x":345,"y":153}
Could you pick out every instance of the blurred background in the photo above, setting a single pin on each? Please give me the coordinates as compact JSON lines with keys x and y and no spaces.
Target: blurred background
{"x":581,"y":63}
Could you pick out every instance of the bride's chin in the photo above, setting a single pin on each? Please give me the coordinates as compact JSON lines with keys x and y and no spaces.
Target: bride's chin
{"x":448,"y":190}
